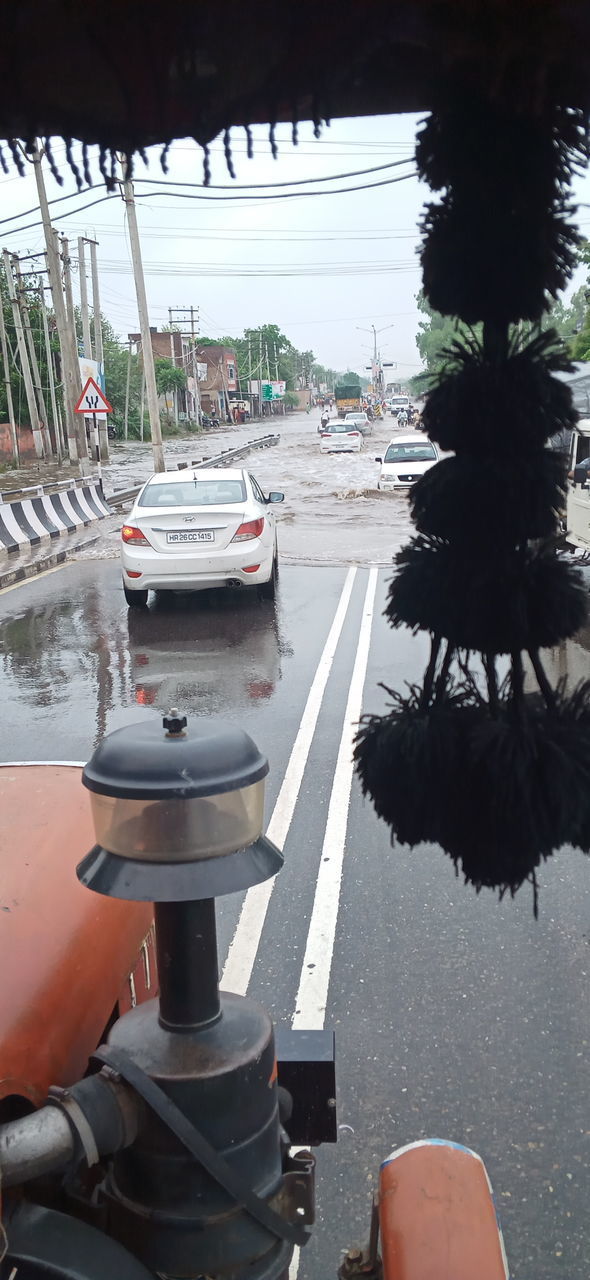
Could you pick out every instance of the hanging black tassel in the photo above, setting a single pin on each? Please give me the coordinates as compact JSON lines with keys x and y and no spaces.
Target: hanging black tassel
{"x":495,"y":603}
{"x":463,"y":498}
{"x":498,"y":777}
{"x":484,"y":406}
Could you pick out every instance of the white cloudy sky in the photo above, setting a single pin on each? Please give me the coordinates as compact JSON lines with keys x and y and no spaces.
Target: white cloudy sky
{"x":317,"y":264}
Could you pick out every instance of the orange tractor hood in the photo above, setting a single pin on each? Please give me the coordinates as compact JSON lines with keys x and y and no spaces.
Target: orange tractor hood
{"x":68,"y":957}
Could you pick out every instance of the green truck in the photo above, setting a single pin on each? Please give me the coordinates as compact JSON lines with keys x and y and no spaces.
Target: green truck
{"x":348,"y":398}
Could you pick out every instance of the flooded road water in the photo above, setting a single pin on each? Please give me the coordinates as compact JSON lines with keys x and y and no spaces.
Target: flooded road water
{"x":332,"y":514}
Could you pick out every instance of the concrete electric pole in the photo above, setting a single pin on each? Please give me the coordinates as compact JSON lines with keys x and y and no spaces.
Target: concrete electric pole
{"x":103,"y":430}
{"x":9,"y":401}
{"x":144,"y":324}
{"x":24,"y":358}
{"x":70,"y":369}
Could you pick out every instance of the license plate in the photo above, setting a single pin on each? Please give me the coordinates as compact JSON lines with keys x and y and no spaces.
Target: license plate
{"x":191,"y":535}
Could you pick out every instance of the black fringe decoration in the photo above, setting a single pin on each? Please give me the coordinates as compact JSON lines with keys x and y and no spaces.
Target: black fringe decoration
{"x":51,"y":162}
{"x":506,"y":408}
{"x":85,"y":165}
{"x":272,"y":140}
{"x":227,"y":151}
{"x":72,"y":164}
{"x":464,"y":498}
{"x":249,"y":142}
{"x":495,"y":604}
{"x":206,"y":166}
{"x":3,"y":164}
{"x":164,"y":157}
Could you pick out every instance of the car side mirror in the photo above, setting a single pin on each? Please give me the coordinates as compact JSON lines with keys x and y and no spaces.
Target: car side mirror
{"x":275,"y":497}
{"x":378,"y":459}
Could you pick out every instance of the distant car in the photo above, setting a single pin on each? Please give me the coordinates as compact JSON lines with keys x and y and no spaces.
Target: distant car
{"x":340,"y":437}
{"x":406,"y":459}
{"x":187,"y":531}
{"x":362,"y":421}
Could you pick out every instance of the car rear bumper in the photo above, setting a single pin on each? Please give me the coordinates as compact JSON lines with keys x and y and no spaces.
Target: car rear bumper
{"x":161,"y":572}
{"x":341,"y":448}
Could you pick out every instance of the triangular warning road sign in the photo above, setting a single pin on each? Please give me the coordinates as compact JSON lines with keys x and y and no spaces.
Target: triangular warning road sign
{"x":93,"y":400}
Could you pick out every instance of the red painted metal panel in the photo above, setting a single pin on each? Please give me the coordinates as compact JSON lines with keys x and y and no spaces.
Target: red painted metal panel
{"x":65,"y":953}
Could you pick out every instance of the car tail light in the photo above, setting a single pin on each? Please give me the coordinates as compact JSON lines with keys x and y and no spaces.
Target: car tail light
{"x":252,"y":568}
{"x":133,"y":573}
{"x":145,"y":697}
{"x":354,"y":434}
{"x":250,"y":529}
{"x":134,"y":536}
{"x":326,"y":435}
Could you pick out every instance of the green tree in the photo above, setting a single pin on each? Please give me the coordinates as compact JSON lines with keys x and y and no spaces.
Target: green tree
{"x":168,"y":377}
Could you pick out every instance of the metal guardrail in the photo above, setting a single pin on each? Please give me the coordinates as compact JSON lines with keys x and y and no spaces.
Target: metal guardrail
{"x":223,"y":459}
{"x":52,"y":486}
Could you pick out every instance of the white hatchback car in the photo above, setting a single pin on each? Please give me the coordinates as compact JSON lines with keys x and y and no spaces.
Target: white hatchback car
{"x":340,"y":437}
{"x":189,"y":530}
{"x":407,"y":457}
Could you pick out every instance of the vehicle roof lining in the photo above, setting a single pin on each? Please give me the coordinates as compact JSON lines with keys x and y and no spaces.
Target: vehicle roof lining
{"x":126,"y":76}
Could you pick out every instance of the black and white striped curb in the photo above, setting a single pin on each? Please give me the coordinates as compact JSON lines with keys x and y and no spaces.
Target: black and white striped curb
{"x":27,"y":521}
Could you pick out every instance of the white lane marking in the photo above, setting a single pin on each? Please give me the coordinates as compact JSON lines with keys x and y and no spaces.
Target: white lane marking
{"x":244,"y":946}
{"x":34,"y":577}
{"x":310,"y":1006}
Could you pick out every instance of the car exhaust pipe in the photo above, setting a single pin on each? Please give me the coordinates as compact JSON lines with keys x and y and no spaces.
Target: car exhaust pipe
{"x":233,"y":582}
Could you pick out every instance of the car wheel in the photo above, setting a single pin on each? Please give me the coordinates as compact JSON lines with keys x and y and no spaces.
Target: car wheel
{"x":268,"y":590}
{"x":135,"y":599}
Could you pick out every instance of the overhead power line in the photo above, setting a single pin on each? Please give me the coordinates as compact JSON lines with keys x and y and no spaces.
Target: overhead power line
{"x":234,"y":188}
{"x":182,"y":195}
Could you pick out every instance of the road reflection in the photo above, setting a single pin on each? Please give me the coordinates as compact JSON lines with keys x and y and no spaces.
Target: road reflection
{"x":205,"y":652}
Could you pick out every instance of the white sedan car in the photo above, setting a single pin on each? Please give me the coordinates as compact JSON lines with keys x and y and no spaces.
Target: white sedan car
{"x":407,"y":457}
{"x":189,"y":530}
{"x":340,"y":437}
{"x":360,"y":420}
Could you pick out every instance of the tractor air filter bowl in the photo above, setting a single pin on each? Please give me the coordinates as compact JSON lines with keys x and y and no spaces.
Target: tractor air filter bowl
{"x":176,"y":793}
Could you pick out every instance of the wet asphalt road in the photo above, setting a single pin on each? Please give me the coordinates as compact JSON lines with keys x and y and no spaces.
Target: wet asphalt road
{"x":455,"y":1016}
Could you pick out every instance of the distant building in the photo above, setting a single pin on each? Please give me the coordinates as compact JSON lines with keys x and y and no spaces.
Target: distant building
{"x":216,"y":369}
{"x":220,"y":384}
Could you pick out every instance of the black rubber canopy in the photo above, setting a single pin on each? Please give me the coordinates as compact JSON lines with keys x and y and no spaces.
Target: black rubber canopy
{"x":146,"y":761}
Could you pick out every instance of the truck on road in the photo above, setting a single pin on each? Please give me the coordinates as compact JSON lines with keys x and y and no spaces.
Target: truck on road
{"x":348,"y":398}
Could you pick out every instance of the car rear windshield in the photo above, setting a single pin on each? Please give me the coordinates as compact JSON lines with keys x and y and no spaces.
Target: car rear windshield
{"x":355,"y":417}
{"x":193,"y":493}
{"x":422,"y":451}
{"x":338,"y":427}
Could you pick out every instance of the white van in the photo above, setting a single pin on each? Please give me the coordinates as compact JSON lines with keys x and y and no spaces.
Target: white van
{"x":578,"y":492}
{"x":406,"y":458}
{"x":396,"y":403}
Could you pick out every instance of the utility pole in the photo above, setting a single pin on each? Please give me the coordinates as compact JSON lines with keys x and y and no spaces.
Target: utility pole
{"x":23,"y":307}
{"x":67,"y":345}
{"x":144,"y":325}
{"x":174,"y":392}
{"x":103,"y":430}
{"x":84,"y":300}
{"x":250,"y":373}
{"x":182,"y":313}
{"x":24,"y":359}
{"x":127,"y":385}
{"x":6,"y":366}
{"x":59,"y":444}
{"x":71,"y":319}
{"x":260,"y":372}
